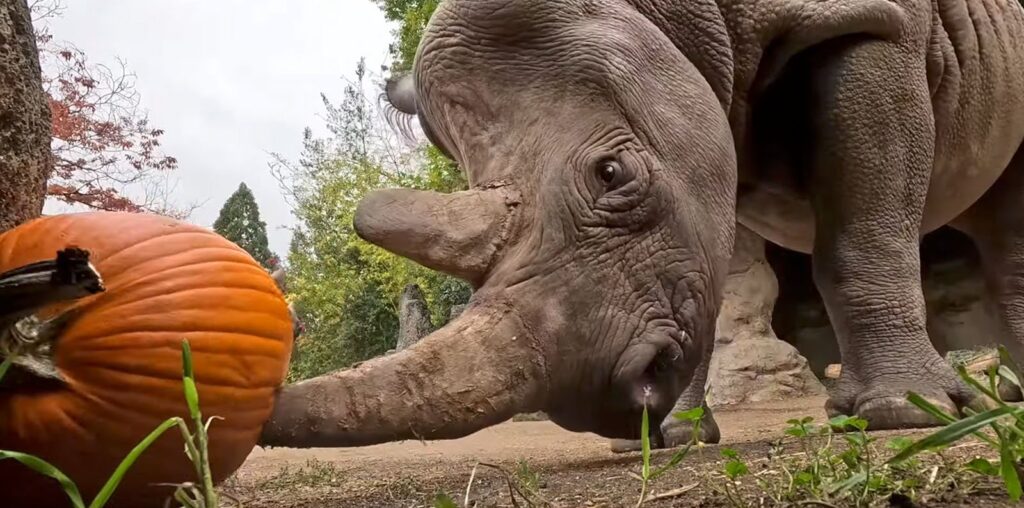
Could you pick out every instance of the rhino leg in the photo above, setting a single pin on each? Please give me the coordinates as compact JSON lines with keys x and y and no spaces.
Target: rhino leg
{"x":873,"y":155}
{"x":996,"y":224}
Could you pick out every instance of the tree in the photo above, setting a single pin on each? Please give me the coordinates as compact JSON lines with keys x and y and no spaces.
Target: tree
{"x":412,"y":17}
{"x":346,"y":290}
{"x":106,"y":155}
{"x":25,"y":159}
{"x":239,"y":221}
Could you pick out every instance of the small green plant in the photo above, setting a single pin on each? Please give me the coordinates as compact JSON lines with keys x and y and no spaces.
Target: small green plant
{"x":1005,"y":422}
{"x":734,"y":468}
{"x":833,"y":471}
{"x":189,"y":495}
{"x":313,"y":473}
{"x":442,"y":500}
{"x":647,"y":475}
{"x":528,"y":479}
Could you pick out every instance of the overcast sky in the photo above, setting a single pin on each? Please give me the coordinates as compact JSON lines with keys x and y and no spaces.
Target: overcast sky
{"x":230,"y":80}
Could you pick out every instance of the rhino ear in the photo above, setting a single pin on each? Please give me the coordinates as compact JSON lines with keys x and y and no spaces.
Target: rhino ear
{"x":400,"y":105}
{"x":400,"y":92}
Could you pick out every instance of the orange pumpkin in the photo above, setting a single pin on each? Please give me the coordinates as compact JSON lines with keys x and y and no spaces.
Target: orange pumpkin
{"x":120,"y":357}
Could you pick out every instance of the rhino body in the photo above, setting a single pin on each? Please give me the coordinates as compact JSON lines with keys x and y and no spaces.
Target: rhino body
{"x":611,"y":146}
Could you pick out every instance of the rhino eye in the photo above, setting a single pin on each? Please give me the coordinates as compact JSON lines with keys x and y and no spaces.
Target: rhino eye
{"x":609,"y":172}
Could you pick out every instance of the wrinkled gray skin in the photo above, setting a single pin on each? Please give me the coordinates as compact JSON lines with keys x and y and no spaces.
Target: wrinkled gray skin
{"x":610,"y":146}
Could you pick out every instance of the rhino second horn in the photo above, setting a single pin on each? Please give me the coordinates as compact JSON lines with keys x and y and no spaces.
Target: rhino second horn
{"x":458,"y":233}
{"x":477,"y":371}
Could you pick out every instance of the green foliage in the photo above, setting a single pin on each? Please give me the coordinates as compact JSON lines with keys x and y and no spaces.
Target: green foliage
{"x":239,"y":221}
{"x":838,"y":466}
{"x":412,"y":17}
{"x":345,"y":289}
{"x":1005,"y":421}
{"x":315,"y":473}
{"x":527,"y":477}
{"x":188,"y":494}
{"x":439,"y":172}
{"x":442,"y":500}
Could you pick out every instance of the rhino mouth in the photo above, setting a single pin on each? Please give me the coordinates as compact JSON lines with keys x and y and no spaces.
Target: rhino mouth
{"x":651,"y":375}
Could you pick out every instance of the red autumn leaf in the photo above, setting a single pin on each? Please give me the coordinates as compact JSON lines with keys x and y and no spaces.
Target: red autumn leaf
{"x":102,"y":144}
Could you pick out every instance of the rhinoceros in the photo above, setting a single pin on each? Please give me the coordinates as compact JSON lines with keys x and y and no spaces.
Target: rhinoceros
{"x":612,"y":145}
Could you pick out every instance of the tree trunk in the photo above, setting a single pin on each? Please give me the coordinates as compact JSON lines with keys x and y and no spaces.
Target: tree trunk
{"x":413,"y":317}
{"x":25,"y":129}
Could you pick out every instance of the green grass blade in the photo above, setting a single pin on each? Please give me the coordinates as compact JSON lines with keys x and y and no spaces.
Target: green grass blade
{"x":645,"y":444}
{"x":930,"y":408}
{"x":1006,"y":360}
{"x":1009,"y":375}
{"x":691,"y":415}
{"x":974,"y":383}
{"x":129,"y":460}
{"x":4,"y":366}
{"x":675,"y":460}
{"x":189,"y":380}
{"x":186,"y":358}
{"x":954,"y":432}
{"x":45,"y":468}
{"x":191,"y":397}
{"x":1008,"y":470}
{"x":848,"y":483}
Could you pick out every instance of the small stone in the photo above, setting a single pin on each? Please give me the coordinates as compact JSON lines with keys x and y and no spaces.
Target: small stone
{"x":833,"y":371}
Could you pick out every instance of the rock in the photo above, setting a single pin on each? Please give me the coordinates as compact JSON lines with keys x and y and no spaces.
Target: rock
{"x":833,"y":371}
{"x":456,"y":311}
{"x":413,"y":317}
{"x":750,"y":363}
{"x":539,"y":416}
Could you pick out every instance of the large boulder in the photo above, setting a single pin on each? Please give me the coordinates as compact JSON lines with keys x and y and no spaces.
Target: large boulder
{"x":750,"y":363}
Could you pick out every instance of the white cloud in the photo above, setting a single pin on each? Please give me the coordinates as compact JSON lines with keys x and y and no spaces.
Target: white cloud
{"x":230,"y":80}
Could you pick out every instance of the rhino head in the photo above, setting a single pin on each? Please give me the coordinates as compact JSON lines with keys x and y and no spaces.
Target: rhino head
{"x":596,"y":231}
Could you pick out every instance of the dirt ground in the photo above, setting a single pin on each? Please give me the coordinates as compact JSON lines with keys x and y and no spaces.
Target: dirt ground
{"x":571,"y":469}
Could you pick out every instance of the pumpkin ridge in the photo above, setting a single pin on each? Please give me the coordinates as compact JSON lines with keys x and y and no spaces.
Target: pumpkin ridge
{"x":113,"y":405}
{"x":110,"y":257}
{"x":124,"y":283}
{"x":198,"y":348}
{"x":68,"y":420}
{"x":132,"y":301}
{"x":135,"y":298}
{"x":133,"y":284}
{"x":253,"y":329}
{"x":122,"y":371}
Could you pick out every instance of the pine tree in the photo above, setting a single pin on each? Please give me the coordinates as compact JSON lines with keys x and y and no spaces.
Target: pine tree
{"x":239,"y":221}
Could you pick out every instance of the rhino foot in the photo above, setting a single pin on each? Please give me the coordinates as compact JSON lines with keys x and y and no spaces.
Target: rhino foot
{"x":676,"y":433}
{"x":885,"y":406}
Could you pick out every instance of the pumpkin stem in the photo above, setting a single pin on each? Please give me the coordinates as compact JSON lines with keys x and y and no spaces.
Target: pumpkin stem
{"x":25,"y":338}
